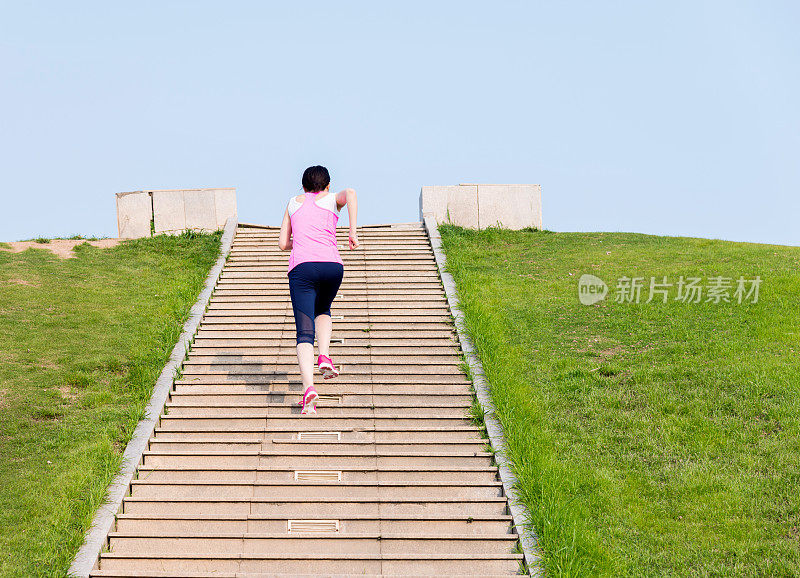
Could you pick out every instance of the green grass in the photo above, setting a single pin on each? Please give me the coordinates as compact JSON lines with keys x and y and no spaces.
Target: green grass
{"x":649,"y":439}
{"x":82,"y":342}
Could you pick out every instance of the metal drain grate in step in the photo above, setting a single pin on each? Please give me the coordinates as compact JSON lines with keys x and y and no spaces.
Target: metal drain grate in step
{"x":320,"y":436}
{"x":329,"y":399}
{"x":313,"y":526}
{"x":317,"y":476}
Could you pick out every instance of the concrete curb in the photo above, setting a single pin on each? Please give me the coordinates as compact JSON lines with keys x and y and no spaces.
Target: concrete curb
{"x":519,"y":513}
{"x":104,"y":518}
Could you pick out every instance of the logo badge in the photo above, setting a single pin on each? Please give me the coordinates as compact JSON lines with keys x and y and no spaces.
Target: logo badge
{"x":591,"y":289}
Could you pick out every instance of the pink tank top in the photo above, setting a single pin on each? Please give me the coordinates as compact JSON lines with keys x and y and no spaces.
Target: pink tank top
{"x":313,"y":233}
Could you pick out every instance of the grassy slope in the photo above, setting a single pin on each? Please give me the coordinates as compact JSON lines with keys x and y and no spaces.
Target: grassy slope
{"x":81,"y":344}
{"x":650,"y":439}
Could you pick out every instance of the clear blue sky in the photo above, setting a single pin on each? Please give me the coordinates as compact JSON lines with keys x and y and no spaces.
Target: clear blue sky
{"x":679,"y":118}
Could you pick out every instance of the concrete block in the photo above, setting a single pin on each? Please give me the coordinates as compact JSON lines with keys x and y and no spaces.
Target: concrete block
{"x":197,"y":209}
{"x":134,"y":211}
{"x":200,"y":209}
{"x":168,"y":211}
{"x":225,"y":202}
{"x":457,"y":204}
{"x":510,"y":206}
{"x":479,"y":206}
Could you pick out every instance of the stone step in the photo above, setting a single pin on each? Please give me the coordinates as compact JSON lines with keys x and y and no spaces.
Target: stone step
{"x":221,"y":445}
{"x":353,"y":523}
{"x":332,"y":460}
{"x":188,"y":396}
{"x":286,"y":543}
{"x":394,"y":294}
{"x":343,"y":380}
{"x":362,"y":262}
{"x":378,"y":259}
{"x":271,"y":243}
{"x":401,"y":285}
{"x":369,"y":255}
{"x":359,"y":294}
{"x":272,"y":240}
{"x":352,"y":309}
{"x":352,"y":291}
{"x":384,"y":230}
{"x":394,"y":283}
{"x":375,"y":254}
{"x":201,"y":574}
{"x":387,"y":251}
{"x":366,"y":247}
{"x":386,"y":286}
{"x":426,"y":473}
{"x":358,"y":312}
{"x":313,"y":491}
{"x":330,"y":386}
{"x":381,"y":231}
{"x":386,"y":307}
{"x":327,"y":407}
{"x":327,"y":508}
{"x":343,"y":298}
{"x":388,"y":246}
{"x":340,"y":355}
{"x":367,"y":233}
{"x":374,"y":273}
{"x":286,"y":338}
{"x":361,"y":346}
{"x":341,"y":234}
{"x":364,"y":276}
{"x":367,"y":434}
{"x":352,"y":272}
{"x":203,"y":366}
{"x":339,"y":319}
{"x":314,"y":563}
{"x":321,"y":422}
{"x":347,"y":370}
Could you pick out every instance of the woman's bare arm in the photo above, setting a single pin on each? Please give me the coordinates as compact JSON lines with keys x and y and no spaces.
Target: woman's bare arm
{"x":348,"y":197}
{"x":285,"y":238}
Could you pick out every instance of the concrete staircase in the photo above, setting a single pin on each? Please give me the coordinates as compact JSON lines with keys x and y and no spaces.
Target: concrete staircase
{"x":391,"y":477}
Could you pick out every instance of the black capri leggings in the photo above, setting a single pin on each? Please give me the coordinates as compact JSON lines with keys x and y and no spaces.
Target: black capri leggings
{"x":313,"y":285}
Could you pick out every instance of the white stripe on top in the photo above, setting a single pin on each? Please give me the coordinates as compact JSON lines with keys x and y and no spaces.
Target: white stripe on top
{"x":327,"y":202}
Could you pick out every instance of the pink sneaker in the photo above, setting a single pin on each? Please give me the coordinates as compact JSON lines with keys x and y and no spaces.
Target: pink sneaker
{"x":309,"y":402}
{"x":326,"y":367}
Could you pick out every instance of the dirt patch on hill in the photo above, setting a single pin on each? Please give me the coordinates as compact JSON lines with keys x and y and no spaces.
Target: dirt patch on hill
{"x":17,"y":281}
{"x":63,"y":248}
{"x":67,"y":393}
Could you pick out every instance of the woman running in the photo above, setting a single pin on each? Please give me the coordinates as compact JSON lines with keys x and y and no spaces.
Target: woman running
{"x":315,"y":270}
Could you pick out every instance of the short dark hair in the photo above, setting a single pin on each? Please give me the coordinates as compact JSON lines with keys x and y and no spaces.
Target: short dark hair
{"x":316,"y":178}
